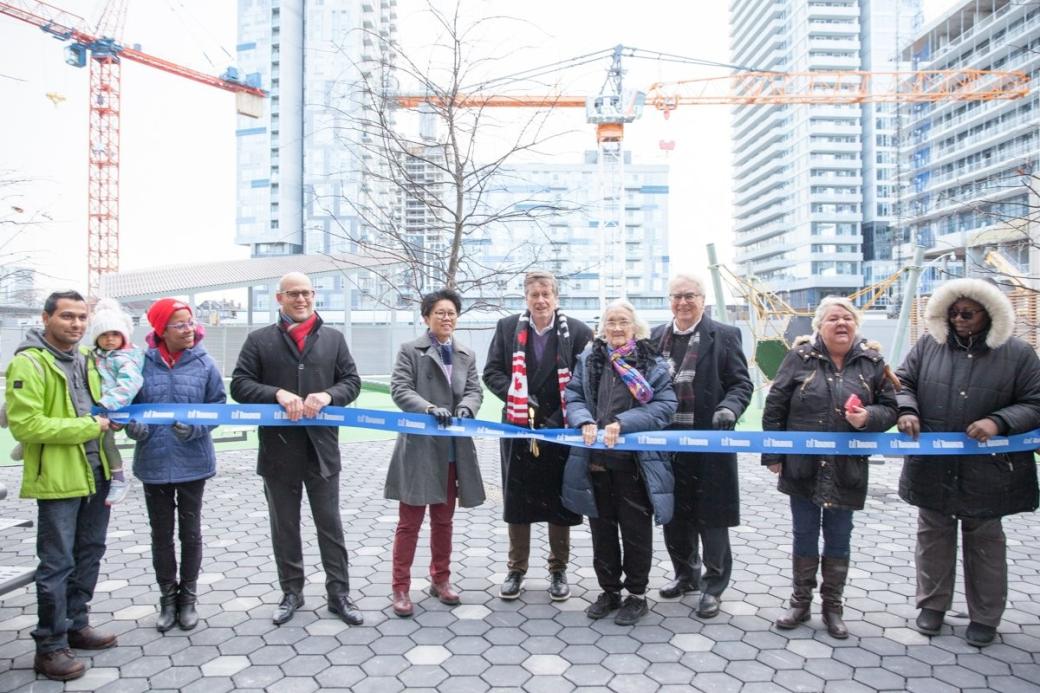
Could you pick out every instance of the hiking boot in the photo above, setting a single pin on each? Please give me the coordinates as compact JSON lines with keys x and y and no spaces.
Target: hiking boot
{"x":58,"y":665}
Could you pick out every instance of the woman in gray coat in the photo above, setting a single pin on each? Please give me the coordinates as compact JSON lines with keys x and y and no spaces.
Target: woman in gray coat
{"x":435,"y":375}
{"x":968,"y":375}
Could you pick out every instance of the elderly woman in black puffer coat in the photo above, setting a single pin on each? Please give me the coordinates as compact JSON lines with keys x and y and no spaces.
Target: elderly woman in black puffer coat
{"x":968,"y":375}
{"x":620,"y":385}
{"x":836,"y":382}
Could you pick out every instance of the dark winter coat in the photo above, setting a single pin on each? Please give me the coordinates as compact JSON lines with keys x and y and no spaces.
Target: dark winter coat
{"x":418,"y":472}
{"x":160,"y":457}
{"x":721,"y":380}
{"x":655,"y":467}
{"x":269,"y":361}
{"x":808,"y":394}
{"x":531,"y":485}
{"x":948,"y":387}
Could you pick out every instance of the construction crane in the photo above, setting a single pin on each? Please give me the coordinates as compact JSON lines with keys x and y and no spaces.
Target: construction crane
{"x":615,"y":106}
{"x":105,"y":54}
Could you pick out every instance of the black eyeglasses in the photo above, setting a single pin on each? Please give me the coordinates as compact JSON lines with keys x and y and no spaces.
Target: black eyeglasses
{"x":966,"y":314}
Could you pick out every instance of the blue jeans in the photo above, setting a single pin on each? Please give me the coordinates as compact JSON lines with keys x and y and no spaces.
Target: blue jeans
{"x":70,"y":541}
{"x":808,"y":518}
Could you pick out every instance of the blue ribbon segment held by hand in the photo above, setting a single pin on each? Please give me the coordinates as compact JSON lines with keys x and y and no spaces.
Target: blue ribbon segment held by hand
{"x":781,"y":442}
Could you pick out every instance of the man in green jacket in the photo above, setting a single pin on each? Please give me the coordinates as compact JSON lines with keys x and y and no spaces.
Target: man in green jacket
{"x":51,"y":385}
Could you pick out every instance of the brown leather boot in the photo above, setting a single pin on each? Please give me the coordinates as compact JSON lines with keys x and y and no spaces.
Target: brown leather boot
{"x":58,"y":665}
{"x":402,"y":603}
{"x":87,"y":638}
{"x":834,"y":571}
{"x":803,"y":580}
{"x":445,"y":593}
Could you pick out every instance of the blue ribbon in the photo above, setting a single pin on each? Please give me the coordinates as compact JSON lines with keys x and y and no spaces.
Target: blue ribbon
{"x":781,"y":442}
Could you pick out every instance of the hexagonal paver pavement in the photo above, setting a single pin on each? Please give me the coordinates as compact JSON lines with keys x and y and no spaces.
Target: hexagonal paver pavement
{"x":531,"y":644}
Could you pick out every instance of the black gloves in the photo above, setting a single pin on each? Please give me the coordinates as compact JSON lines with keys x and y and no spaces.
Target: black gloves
{"x":463,"y":412}
{"x":136,"y":430}
{"x":442,"y":415}
{"x":723,"y":419}
{"x":532,"y":402}
{"x":182,"y":431}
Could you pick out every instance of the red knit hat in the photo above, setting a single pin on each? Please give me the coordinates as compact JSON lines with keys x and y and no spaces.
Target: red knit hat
{"x":160,"y":312}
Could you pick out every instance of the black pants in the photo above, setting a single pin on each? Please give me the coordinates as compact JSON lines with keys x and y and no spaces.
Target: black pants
{"x":284,"y":497}
{"x":685,"y":538}
{"x":622,"y":503}
{"x":180,"y":504}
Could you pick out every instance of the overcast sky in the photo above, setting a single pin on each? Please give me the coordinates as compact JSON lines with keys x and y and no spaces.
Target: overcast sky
{"x":178,"y":145}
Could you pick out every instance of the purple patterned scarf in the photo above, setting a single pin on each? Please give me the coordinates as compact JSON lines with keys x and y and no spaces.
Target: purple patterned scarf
{"x":633,"y":379}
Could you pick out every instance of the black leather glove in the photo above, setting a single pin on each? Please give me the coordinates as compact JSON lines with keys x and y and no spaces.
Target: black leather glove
{"x":463,"y":412}
{"x":182,"y":431}
{"x":532,"y":401}
{"x":135,"y":430}
{"x":442,"y":415}
{"x":723,"y":419}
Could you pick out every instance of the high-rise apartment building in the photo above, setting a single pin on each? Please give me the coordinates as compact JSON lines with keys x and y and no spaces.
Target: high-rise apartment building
{"x":968,"y":164}
{"x":568,"y":243}
{"x":299,"y":177}
{"x":815,"y":184}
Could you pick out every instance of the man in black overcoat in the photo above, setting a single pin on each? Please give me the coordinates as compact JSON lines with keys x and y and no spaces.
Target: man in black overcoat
{"x":528,"y":367}
{"x":711,"y":381}
{"x":304,"y":366}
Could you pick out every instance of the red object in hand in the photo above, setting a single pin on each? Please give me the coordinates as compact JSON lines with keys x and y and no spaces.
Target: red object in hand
{"x":853,"y":402}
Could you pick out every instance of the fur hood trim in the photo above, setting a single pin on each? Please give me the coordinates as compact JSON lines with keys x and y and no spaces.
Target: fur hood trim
{"x":1001,"y":312}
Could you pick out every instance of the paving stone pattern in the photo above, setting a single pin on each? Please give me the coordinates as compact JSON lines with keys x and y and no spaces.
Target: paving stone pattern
{"x":531,"y":644}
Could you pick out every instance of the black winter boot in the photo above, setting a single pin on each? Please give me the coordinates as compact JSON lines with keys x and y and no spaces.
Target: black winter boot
{"x":834,"y":571}
{"x":187,"y":617}
{"x":167,"y":606}
{"x":803,"y":580}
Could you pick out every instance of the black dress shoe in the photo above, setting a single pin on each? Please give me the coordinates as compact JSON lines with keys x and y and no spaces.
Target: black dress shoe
{"x":677,"y":588}
{"x":287,"y":607}
{"x":708,"y":606}
{"x":512,"y":585}
{"x":347,"y":610}
{"x":980,"y":635}
{"x":559,"y":590}
{"x":929,"y":621}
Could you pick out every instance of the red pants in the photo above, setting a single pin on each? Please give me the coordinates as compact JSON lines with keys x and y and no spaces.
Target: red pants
{"x":410,"y":518}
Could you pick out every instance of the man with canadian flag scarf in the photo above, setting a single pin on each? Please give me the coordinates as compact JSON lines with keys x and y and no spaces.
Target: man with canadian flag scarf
{"x":528,"y":367}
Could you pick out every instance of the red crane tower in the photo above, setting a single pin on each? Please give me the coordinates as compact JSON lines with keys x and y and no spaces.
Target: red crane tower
{"x":105,"y":55}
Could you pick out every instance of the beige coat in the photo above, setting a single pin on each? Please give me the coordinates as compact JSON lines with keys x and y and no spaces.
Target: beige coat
{"x":418,"y":473}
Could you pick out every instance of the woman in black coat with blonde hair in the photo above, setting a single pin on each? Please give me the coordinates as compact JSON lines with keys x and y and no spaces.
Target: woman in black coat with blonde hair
{"x":835,"y":381}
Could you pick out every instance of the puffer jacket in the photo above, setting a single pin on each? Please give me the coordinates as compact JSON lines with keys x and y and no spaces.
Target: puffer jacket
{"x":808,"y":394}
{"x":160,"y":457}
{"x":950,"y":384}
{"x":655,"y":467}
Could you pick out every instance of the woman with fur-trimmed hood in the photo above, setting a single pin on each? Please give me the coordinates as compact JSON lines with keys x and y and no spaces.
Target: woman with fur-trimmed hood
{"x":968,"y":374}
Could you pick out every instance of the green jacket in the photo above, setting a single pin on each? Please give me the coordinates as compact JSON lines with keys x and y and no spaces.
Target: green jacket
{"x":43,"y":419}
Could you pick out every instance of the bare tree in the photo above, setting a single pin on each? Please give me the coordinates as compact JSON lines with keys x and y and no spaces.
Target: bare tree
{"x":16,"y":221}
{"x":438,"y":181}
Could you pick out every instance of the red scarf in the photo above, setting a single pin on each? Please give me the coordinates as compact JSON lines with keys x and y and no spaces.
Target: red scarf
{"x":299,"y":330}
{"x":168,"y":357}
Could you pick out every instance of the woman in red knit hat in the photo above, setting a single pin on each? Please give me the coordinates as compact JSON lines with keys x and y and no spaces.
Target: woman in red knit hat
{"x":173,"y":461}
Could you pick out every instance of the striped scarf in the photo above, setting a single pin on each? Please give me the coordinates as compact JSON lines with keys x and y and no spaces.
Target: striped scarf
{"x":632,"y":378}
{"x":516,"y":398}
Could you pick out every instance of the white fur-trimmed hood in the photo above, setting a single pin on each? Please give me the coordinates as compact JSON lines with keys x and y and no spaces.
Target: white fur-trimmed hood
{"x":1001,"y":313}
